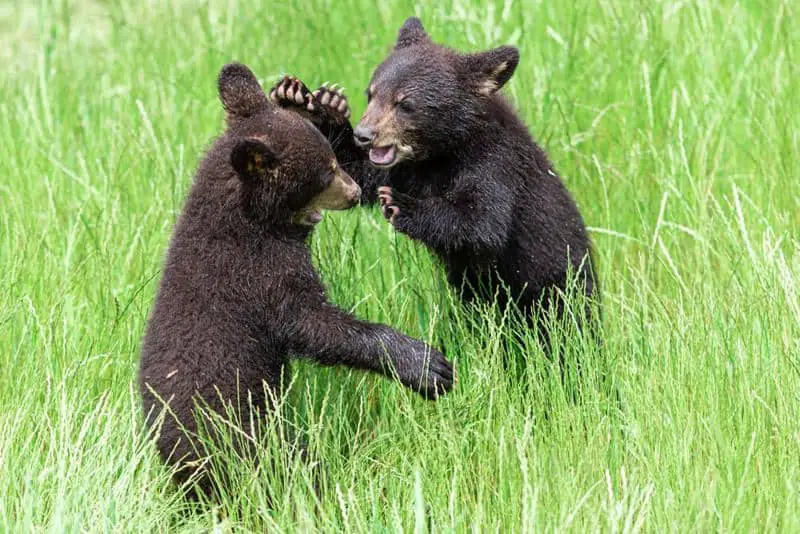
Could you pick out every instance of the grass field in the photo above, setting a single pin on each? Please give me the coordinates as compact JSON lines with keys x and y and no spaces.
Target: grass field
{"x":674,"y":123}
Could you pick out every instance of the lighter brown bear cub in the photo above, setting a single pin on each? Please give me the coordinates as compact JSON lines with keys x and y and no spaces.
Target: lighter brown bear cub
{"x":240,"y":296}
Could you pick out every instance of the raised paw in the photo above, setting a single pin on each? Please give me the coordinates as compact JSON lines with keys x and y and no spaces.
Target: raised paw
{"x":332,"y":98}
{"x":292,"y":93}
{"x":393,"y":204}
{"x":389,"y":210}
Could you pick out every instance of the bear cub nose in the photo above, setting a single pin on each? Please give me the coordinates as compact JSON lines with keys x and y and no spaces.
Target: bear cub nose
{"x":363,"y":135}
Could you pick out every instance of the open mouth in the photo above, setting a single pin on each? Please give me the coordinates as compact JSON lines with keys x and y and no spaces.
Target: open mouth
{"x":382,"y":156}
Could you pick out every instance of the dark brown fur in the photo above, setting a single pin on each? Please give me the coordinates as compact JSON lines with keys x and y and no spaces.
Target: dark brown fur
{"x":239,"y":294}
{"x":468,"y":180}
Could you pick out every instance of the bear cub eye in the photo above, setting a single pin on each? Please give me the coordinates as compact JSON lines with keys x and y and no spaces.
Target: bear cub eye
{"x":405,"y":105}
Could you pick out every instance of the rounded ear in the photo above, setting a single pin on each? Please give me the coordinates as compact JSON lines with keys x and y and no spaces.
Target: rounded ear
{"x":492,"y":69}
{"x":239,"y":90}
{"x":411,"y":32}
{"x":251,"y":159}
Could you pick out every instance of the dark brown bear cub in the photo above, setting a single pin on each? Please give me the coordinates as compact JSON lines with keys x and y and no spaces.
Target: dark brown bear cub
{"x":239,"y":293}
{"x":455,"y":168}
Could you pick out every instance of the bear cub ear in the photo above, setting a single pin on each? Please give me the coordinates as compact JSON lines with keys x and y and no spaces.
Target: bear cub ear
{"x":492,"y":69}
{"x":252,"y":159}
{"x":239,"y":90}
{"x":411,"y":33}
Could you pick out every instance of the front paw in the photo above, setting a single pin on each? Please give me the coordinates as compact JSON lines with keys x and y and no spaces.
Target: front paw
{"x":395,"y":206}
{"x":326,"y":105}
{"x":426,"y":371}
{"x":332,"y":100}
{"x":292,"y":93}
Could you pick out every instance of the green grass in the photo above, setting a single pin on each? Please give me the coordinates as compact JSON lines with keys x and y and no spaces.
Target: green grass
{"x":674,"y":124}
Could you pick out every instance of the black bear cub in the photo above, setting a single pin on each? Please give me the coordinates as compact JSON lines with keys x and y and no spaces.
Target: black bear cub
{"x":454,"y":167}
{"x":239,"y":293}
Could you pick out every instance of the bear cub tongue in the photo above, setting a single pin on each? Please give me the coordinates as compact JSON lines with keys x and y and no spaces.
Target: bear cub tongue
{"x":382,"y":155}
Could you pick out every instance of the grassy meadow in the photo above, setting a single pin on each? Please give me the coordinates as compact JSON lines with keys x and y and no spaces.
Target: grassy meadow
{"x":675,"y":125}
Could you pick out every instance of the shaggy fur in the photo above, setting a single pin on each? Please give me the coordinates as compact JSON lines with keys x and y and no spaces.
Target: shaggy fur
{"x":239,"y":294}
{"x":454,"y":167}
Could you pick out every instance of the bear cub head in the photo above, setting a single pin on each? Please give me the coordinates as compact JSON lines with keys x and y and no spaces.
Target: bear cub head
{"x":426,"y":99}
{"x":286,"y":167}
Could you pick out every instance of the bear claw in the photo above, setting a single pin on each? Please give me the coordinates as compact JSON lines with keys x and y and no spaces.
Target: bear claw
{"x":332,"y":97}
{"x":388,"y":208}
{"x":291,"y":92}
{"x":435,"y":378}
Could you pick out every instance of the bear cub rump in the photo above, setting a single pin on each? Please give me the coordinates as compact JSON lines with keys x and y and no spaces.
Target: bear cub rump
{"x":239,"y":294}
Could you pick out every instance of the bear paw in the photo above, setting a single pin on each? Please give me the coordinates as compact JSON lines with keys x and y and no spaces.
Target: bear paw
{"x":332,"y":97}
{"x":394,"y":204}
{"x":325,"y":105}
{"x":292,"y":93}
{"x":425,"y":370}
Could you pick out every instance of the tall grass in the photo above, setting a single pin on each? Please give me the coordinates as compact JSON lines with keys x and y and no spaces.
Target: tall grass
{"x":674,"y":124}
